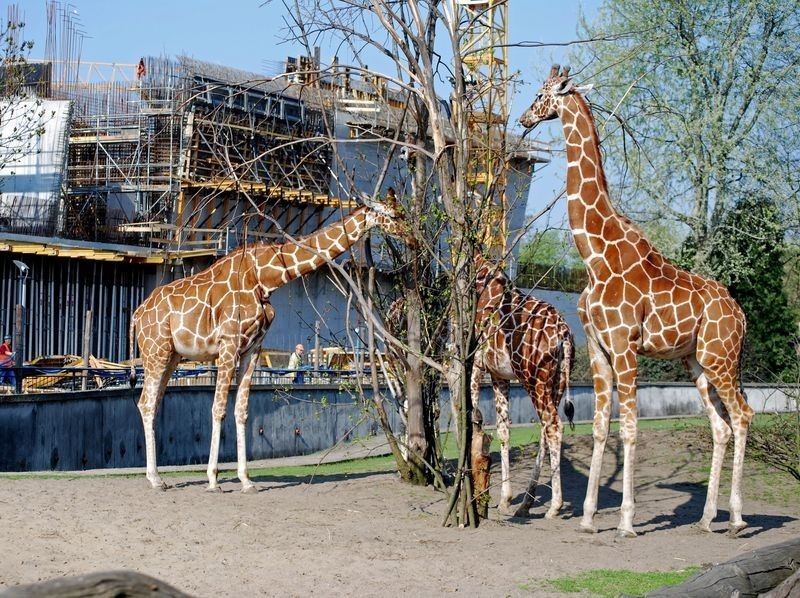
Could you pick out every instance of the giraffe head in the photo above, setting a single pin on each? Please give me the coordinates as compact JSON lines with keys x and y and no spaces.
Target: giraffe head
{"x":550,"y":97}
{"x":387,"y":216}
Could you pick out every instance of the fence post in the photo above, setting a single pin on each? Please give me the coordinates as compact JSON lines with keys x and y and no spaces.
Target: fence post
{"x":19,"y":330}
{"x":87,"y":347}
{"x":317,"y":347}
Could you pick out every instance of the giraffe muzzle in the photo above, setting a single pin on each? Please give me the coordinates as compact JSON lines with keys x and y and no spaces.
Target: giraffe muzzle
{"x":528,"y":129}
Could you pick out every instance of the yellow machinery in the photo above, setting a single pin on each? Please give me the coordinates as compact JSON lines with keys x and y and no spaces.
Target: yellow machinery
{"x":484,"y":55}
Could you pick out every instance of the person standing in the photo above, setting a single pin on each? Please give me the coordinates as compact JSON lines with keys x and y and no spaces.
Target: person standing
{"x":296,"y":363}
{"x":6,"y":361}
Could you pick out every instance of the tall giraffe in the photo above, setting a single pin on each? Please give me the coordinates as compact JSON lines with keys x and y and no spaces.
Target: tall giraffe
{"x":224,"y":312}
{"x":637,"y":302}
{"x":521,"y":337}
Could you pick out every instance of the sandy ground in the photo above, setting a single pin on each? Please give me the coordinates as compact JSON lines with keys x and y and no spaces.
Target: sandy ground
{"x":369,"y":534}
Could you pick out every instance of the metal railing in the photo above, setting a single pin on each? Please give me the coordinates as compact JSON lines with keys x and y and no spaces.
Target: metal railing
{"x":32,"y":380}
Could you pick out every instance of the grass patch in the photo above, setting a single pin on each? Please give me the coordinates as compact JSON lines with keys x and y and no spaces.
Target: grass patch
{"x":356,"y":466}
{"x":610,"y":583}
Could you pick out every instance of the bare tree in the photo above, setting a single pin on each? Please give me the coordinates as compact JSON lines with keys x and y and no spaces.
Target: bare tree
{"x":421,"y":41}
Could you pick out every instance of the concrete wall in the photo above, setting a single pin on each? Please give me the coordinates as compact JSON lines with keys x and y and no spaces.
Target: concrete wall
{"x":92,"y":430}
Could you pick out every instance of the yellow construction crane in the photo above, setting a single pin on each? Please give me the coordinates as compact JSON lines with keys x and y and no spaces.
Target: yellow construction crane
{"x":484,"y":54}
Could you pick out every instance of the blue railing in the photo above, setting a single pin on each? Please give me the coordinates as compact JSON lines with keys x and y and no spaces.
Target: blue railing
{"x":31,"y":379}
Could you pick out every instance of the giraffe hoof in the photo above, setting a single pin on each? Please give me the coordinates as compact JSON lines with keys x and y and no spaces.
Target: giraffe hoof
{"x":552,"y":514}
{"x":587,"y":528}
{"x":158,"y":486}
{"x":214,"y":489}
{"x":251,"y":489}
{"x":735,"y":528}
{"x":703,"y":526}
{"x":625,"y":533}
{"x":523,"y":511}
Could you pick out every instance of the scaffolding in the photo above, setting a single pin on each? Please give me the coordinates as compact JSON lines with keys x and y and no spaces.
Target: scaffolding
{"x":185,"y":153}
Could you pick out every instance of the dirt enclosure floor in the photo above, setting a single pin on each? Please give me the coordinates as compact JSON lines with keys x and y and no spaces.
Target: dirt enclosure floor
{"x":370,"y":534}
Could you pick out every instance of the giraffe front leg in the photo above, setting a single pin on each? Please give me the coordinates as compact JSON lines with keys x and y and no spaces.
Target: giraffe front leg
{"x":501,"y":388}
{"x":602,"y":377}
{"x":224,"y":376}
{"x":247,"y":366}
{"x":150,"y":451}
{"x":625,"y":368}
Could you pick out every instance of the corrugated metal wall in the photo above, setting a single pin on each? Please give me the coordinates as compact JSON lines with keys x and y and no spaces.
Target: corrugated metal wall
{"x":59,"y":293}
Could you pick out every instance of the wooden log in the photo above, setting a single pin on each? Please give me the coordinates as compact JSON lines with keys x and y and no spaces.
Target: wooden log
{"x":788,"y":588}
{"x":747,"y":575}
{"x":106,"y":584}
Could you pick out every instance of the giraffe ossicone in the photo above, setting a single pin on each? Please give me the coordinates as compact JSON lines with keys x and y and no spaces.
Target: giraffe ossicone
{"x":638,"y":303}
{"x":223,"y":313}
{"x":520,"y":337}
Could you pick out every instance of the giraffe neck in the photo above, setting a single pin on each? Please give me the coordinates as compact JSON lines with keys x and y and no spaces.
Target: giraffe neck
{"x":588,"y":204}
{"x":313,"y":251}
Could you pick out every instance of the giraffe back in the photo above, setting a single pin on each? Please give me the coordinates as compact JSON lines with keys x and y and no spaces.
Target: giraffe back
{"x":521,"y":336}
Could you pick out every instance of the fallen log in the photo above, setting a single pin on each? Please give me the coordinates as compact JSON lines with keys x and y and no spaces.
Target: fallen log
{"x":104,"y":584}
{"x":789,"y":587}
{"x":747,"y":575}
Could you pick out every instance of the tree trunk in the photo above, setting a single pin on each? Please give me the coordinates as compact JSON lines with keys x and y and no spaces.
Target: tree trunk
{"x":417,"y":442}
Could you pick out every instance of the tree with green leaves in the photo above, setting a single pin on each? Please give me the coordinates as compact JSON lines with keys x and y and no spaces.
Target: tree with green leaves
{"x":701,"y":99}
{"x":756,"y":250}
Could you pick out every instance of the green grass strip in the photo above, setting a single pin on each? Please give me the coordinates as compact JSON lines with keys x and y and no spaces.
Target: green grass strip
{"x":610,"y":583}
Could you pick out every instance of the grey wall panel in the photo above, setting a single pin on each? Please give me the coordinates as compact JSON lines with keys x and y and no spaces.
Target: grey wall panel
{"x":102,"y":429}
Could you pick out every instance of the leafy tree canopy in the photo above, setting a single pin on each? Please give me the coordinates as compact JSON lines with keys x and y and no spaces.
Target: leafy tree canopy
{"x":707,"y":92}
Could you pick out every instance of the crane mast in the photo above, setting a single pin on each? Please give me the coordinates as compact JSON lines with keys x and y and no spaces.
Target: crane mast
{"x":484,"y":56}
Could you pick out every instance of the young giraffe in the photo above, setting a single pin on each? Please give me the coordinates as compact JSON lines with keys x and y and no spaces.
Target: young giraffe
{"x":637,"y":302}
{"x":527,"y":339}
{"x":224,"y":312}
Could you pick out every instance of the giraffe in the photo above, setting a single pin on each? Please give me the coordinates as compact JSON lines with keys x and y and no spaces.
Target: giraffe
{"x":224,"y":312}
{"x":637,"y":302}
{"x":522,"y":337}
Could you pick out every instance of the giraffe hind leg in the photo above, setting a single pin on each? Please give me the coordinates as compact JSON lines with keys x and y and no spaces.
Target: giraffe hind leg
{"x":729,"y":415}
{"x":549,"y":441}
{"x":529,"y":498}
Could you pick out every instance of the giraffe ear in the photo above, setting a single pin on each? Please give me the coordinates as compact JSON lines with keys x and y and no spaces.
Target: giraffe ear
{"x":565,"y":87}
{"x":367,"y":200}
{"x":584,"y":89}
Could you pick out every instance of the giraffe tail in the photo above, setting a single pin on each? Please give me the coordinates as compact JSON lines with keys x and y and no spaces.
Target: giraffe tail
{"x":131,"y":335}
{"x":565,"y":369}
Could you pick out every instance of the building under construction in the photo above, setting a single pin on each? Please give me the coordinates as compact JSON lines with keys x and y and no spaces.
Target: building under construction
{"x":138,"y":174}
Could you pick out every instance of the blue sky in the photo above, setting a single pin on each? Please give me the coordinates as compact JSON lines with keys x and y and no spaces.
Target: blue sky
{"x":248,"y":34}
